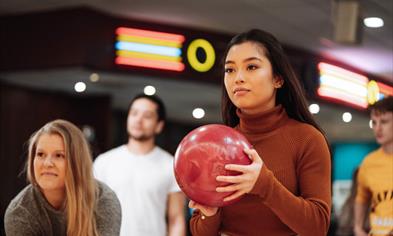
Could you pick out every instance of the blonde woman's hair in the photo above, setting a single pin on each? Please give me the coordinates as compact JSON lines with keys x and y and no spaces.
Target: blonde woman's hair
{"x":80,"y":186}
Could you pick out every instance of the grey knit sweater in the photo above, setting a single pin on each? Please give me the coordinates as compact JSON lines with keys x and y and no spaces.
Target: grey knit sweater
{"x":30,"y":214}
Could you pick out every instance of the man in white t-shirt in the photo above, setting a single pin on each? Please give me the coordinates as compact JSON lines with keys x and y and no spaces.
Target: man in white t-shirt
{"x":141,"y":174}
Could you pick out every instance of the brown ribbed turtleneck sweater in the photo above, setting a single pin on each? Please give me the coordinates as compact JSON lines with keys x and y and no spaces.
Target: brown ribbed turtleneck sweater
{"x":292,"y":195}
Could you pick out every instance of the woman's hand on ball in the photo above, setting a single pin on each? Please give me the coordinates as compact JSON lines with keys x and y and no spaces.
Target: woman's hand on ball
{"x":244,"y":182}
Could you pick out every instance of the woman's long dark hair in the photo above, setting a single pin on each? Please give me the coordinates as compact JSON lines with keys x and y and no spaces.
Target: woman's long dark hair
{"x":291,"y":95}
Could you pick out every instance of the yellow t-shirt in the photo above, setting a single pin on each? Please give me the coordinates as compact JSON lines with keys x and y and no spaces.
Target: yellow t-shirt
{"x":375,"y":185}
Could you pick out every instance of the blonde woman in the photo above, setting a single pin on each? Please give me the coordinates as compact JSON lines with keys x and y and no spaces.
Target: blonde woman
{"x":63,"y":198}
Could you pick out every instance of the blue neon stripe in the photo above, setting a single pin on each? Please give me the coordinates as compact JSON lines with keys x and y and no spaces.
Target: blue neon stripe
{"x":147,"y":48}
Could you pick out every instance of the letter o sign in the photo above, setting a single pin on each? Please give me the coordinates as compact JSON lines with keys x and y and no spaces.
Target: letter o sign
{"x":192,"y":55}
{"x":372,"y":92}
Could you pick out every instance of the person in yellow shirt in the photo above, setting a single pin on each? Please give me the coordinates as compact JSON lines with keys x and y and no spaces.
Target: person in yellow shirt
{"x":375,"y":177}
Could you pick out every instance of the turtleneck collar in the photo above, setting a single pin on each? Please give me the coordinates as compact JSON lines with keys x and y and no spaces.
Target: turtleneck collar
{"x":263,"y":122}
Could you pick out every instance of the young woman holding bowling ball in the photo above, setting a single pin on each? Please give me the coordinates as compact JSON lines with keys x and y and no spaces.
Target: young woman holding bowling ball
{"x":287,"y":187}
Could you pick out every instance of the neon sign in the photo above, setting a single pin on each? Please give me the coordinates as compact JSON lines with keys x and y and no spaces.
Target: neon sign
{"x":343,"y":85}
{"x":149,"y":49}
{"x":159,"y":50}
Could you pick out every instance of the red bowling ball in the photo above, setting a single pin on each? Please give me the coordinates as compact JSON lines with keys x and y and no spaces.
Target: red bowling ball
{"x":202,"y":155}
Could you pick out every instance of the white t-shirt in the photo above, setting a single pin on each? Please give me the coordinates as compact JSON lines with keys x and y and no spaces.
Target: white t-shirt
{"x":142,"y":184}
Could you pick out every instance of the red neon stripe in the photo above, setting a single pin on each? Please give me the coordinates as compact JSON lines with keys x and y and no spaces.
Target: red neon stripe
{"x":150,"y":34}
{"x":385,"y":89}
{"x":156,"y":64}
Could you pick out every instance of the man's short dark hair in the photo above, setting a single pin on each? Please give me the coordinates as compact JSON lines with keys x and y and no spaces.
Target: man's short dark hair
{"x":382,"y":106}
{"x":155,"y":99}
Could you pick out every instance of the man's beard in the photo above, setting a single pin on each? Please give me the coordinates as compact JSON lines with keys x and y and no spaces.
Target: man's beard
{"x":140,"y":138}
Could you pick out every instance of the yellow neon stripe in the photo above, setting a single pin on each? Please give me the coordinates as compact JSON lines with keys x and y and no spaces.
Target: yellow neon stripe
{"x":342,"y":96}
{"x":124,"y":53}
{"x":138,"y":39}
{"x":345,"y":92}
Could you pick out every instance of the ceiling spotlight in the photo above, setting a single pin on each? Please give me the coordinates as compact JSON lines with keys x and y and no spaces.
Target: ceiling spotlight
{"x":198,"y":113}
{"x":373,"y":22}
{"x":347,"y":117}
{"x":313,"y":108}
{"x":80,"y":87}
{"x":149,"y":90}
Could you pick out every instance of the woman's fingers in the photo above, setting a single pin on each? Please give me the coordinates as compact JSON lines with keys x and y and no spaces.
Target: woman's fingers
{"x":234,"y":196}
{"x":245,"y":181}
{"x":229,"y":188}
{"x":229,"y":178}
{"x":239,"y":168}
